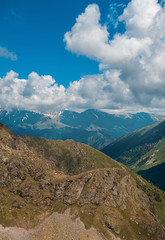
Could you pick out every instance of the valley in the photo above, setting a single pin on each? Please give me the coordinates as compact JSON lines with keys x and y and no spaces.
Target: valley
{"x":143,"y":151}
{"x":93,"y":127}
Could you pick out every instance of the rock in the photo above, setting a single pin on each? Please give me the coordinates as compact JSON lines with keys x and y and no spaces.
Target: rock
{"x":32,"y":186}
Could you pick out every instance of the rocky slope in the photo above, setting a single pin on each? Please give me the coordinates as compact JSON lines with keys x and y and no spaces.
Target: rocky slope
{"x":143,"y":151}
{"x":36,"y":191}
{"x":51,"y":228}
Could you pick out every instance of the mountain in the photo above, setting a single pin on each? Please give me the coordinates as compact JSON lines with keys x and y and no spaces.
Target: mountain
{"x":66,"y":190}
{"x":143,"y":151}
{"x":92,"y":127}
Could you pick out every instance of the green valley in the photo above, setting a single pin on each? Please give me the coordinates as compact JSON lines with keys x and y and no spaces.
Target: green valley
{"x":143,"y":151}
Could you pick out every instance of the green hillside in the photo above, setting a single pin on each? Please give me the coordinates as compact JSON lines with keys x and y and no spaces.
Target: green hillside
{"x":143,"y":151}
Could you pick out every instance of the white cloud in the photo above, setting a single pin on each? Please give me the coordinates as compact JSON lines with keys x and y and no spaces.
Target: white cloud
{"x":35,"y":93}
{"x":140,"y":15}
{"x":6,"y":54}
{"x":41,"y":93}
{"x":87,"y":34}
{"x":138,"y":55}
{"x":132,"y":65}
{"x":89,"y":38}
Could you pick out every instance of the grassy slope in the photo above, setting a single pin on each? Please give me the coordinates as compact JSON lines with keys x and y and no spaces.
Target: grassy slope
{"x":129,"y":148}
{"x":78,"y":156}
{"x":152,"y":191}
{"x":152,"y":158}
{"x":70,"y":156}
{"x":142,"y":150}
{"x":95,"y":159}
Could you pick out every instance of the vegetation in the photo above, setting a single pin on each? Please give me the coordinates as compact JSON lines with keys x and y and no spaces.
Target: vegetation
{"x":91,"y":127}
{"x":39,"y":177}
{"x":142,"y":151}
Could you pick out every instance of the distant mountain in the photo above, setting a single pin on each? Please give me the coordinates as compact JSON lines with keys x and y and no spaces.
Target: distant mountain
{"x":93,"y":127}
{"x":66,"y":190}
{"x":143,"y":151}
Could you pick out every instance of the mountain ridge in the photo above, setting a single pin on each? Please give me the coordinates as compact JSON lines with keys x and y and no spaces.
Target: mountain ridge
{"x":33,"y":185}
{"x":92,"y":127}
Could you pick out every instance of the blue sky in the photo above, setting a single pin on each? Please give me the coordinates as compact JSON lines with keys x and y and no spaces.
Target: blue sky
{"x":34,"y":31}
{"x":75,"y":55}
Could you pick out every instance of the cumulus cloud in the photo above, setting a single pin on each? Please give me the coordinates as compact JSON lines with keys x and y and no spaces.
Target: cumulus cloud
{"x":89,"y":38}
{"x":132,"y":64}
{"x":35,"y":93}
{"x":43,"y":94}
{"x":87,"y":34}
{"x":6,"y":54}
{"x":137,"y":56}
{"x":98,"y":91}
{"x":140,"y":15}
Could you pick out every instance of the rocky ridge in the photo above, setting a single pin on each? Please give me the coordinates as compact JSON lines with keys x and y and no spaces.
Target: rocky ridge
{"x":34,"y":184}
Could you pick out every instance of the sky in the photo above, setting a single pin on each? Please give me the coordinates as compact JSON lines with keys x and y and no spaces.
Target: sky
{"x":76,"y":55}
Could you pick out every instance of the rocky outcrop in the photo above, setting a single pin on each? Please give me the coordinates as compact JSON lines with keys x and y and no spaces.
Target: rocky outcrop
{"x":33,"y":187}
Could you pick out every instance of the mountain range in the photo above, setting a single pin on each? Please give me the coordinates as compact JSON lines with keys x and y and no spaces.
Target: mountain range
{"x":54,"y":189}
{"x":143,"y":151}
{"x":92,"y":127}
